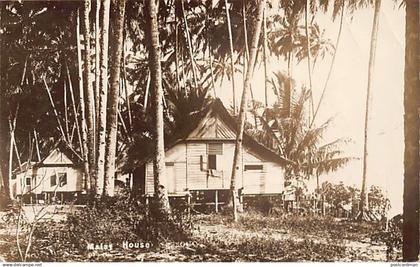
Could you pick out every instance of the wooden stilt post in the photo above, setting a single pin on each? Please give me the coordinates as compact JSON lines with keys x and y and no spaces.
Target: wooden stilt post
{"x":189,"y":203}
{"x":216,"y":199}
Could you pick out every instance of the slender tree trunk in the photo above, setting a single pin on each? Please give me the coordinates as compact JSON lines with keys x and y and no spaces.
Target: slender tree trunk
{"x":97,"y":87}
{"x":246,"y":58}
{"x":213,"y":83}
{"x":244,"y":101}
{"x":178,"y":80}
{"x":372,"y":55}
{"x":411,"y":133}
{"x":12,"y":138}
{"x":63,"y":135}
{"x":127,"y":96}
{"x":103,"y":95}
{"x":3,"y":189}
{"x":308,"y":47}
{"x":17,"y":153}
{"x":83,"y":127}
{"x":38,"y":153}
{"x":66,"y":117}
{"x":337,"y":42}
{"x":75,"y":111}
{"x":161,"y":195}
{"x":265,"y":59}
{"x":288,"y":86}
{"x":97,"y":63}
{"x":232,"y":63}
{"x":89,"y":93}
{"x":190,"y":48}
{"x":212,"y":80}
{"x":113,"y":98}
{"x":319,"y":194}
{"x":184,"y":75}
{"x":146,"y":93}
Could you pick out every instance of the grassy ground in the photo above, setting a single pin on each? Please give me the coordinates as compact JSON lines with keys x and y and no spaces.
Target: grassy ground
{"x":254,"y":238}
{"x":290,"y":238}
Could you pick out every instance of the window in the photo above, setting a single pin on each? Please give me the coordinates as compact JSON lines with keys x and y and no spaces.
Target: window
{"x":253,"y":167}
{"x":213,"y":150}
{"x":62,"y":178}
{"x":212,"y":165}
{"x":28,"y":180}
{"x":169,"y":164}
{"x":53,"y":180}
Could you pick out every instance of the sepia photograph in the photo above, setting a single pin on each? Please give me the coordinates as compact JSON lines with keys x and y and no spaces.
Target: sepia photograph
{"x":279,"y":131}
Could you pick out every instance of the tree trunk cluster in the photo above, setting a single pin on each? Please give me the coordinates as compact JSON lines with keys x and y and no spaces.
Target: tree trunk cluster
{"x":99,"y":97}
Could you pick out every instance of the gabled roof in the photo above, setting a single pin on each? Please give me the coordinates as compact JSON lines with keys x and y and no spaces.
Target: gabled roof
{"x":71,"y":158}
{"x":24,"y":167}
{"x":248,"y":141}
{"x":209,"y":128}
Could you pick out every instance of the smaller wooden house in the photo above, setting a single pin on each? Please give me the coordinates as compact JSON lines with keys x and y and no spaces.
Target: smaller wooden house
{"x":202,"y":161}
{"x":58,"y":177}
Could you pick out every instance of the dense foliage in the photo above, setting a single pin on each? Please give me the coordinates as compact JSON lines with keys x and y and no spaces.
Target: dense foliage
{"x":111,"y":220}
{"x":339,"y":195}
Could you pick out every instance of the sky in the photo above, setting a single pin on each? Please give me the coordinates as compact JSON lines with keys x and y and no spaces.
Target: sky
{"x":346,"y":96}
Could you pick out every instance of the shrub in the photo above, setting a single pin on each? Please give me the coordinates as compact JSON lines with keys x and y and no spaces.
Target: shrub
{"x":109,"y":220}
{"x":263,"y":204}
{"x":392,"y":238}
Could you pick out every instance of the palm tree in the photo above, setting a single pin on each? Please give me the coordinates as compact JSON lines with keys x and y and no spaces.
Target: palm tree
{"x":183,"y":110}
{"x":88,"y":92}
{"x":113,"y":97}
{"x":232,"y":64}
{"x":284,"y":41}
{"x":97,"y":66}
{"x":372,"y":55}
{"x":308,"y":47}
{"x":292,"y":137}
{"x":243,"y":108}
{"x":265,"y":55}
{"x":411,"y":134}
{"x":103,"y":95}
{"x":161,"y":195}
{"x":82,"y":103}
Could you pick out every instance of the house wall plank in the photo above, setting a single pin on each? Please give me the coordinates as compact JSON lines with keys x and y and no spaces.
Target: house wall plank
{"x":188,"y":173}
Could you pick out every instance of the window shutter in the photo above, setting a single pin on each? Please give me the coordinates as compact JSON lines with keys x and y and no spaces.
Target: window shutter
{"x":53,"y":180}
{"x":62,"y":179}
{"x":203,"y":163}
{"x":215,"y":148}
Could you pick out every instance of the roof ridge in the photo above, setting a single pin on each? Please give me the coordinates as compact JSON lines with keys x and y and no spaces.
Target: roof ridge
{"x":219,"y":109}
